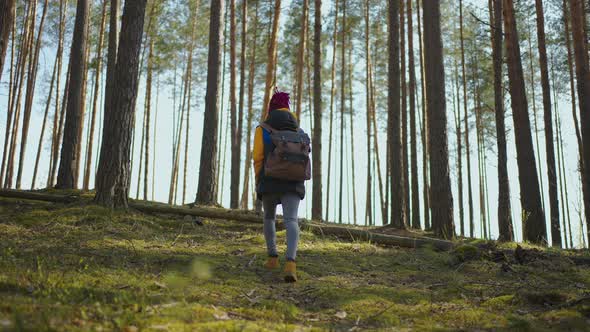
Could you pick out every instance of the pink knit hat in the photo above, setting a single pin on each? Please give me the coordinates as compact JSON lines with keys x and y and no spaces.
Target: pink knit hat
{"x":279,"y":100}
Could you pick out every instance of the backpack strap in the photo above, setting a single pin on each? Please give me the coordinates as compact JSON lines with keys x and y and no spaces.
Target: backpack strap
{"x":267,"y":127}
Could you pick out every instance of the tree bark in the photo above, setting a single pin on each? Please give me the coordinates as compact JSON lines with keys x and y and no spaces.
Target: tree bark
{"x":10,"y":97}
{"x":148,"y":109}
{"x":442,"y":207}
{"x":548,"y":119}
{"x":532,"y":71}
{"x":424,"y":136}
{"x":300,"y":59}
{"x":60,"y":127}
{"x":235,"y":153}
{"x":342,"y":109}
{"x":415,"y":222}
{"x":242,"y":92}
{"x":27,"y":58}
{"x":466,"y":126}
{"x":533,"y":215}
{"x":369,"y":205}
{"x":208,"y":166}
{"x":112,"y":180}
{"x":111,"y":64}
{"x":78,"y":157}
{"x":13,"y":113}
{"x":6,"y":22}
{"x":393,"y":117}
{"x":316,"y":207}
{"x":404,"y":118}
{"x":272,"y":60}
{"x":31,"y":83}
{"x":504,"y":208}
{"x":89,"y":147}
{"x":251,"y":73}
{"x":332,"y":93}
{"x":457,"y":116}
{"x":67,"y":166}
{"x":44,"y":124}
{"x":583,"y":85}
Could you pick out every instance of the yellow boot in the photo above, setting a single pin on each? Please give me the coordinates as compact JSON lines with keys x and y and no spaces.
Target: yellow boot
{"x":290,"y":271}
{"x":272,"y":263}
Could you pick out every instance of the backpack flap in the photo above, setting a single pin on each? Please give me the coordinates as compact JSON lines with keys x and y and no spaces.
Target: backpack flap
{"x":289,"y":160}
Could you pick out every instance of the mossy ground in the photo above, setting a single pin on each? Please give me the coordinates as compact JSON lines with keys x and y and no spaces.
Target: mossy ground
{"x":81,"y":267}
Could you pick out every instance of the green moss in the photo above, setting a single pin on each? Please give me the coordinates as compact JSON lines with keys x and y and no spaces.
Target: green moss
{"x":500,"y":303}
{"x":466,"y":252}
{"x":82,"y":267}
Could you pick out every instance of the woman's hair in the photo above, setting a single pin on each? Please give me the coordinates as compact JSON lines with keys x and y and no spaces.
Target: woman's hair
{"x":279,"y":100}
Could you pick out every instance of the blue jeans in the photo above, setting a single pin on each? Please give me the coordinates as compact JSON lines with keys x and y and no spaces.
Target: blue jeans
{"x":290,"y":203}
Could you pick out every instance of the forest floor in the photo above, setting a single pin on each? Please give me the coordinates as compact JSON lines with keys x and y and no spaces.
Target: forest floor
{"x":81,"y":267}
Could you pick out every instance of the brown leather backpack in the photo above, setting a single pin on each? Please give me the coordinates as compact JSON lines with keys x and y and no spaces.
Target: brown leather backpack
{"x":289,"y":160}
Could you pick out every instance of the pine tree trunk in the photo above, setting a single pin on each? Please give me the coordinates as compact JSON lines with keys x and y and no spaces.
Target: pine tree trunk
{"x":242,"y":88}
{"x":404,"y":118}
{"x":33,"y":67}
{"x":533,"y":215}
{"x":186,"y":138}
{"x":112,"y":180}
{"x":442,"y":207}
{"x":44,"y":124}
{"x":415,"y":221}
{"x":222,"y":137}
{"x":235,"y":153}
{"x":178,"y":130}
{"x":316,"y":207}
{"x":56,"y":116}
{"x":342,"y":109}
{"x":457,"y":116}
{"x":10,"y":97}
{"x":570,"y":64}
{"x":332,"y":97}
{"x":480,"y":145}
{"x":583,"y":85}
{"x":300,"y":59}
{"x":550,"y":150}
{"x":272,"y":59}
{"x":78,"y":157}
{"x":141,"y":148}
{"x":148,"y":108}
{"x":208,"y":166}
{"x":26,"y":57}
{"x":424,"y":138}
{"x":67,"y":166}
{"x":58,"y":138}
{"x":57,"y":73}
{"x":6,"y":21}
{"x":535,"y":121}
{"x":16,"y":79}
{"x":504,"y":208}
{"x":111,"y":65}
{"x":466,"y":126}
{"x":352,"y":137}
{"x":251,"y":74}
{"x":89,"y":148}
{"x":155,"y":134}
{"x":393,"y":118}
{"x":369,"y":204}
{"x":563,"y":178}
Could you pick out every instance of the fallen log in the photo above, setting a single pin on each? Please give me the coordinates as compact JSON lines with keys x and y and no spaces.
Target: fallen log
{"x":38,"y":196}
{"x":356,"y":234}
{"x":197,"y":211}
{"x":347,"y":233}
